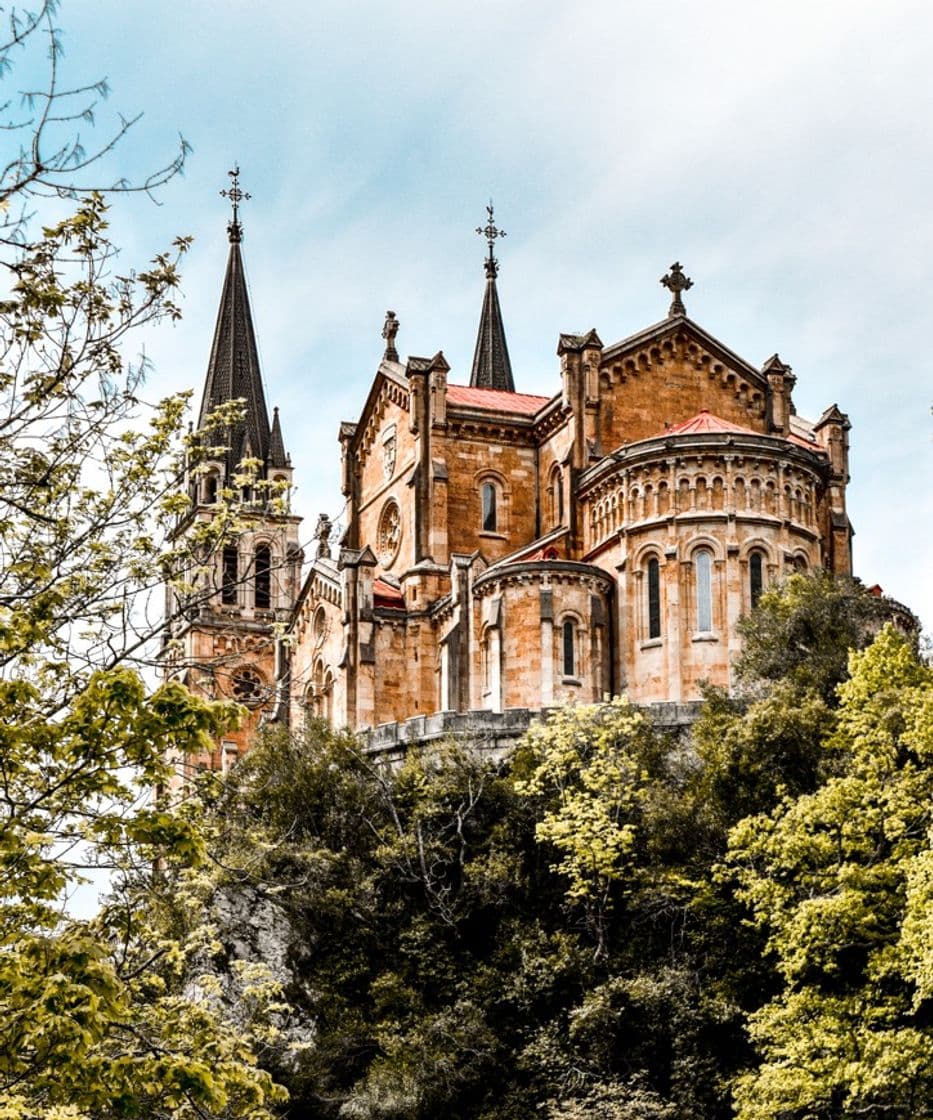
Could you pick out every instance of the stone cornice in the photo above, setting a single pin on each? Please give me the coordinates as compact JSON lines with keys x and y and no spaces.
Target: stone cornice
{"x":550,"y":571}
{"x":735,"y":444}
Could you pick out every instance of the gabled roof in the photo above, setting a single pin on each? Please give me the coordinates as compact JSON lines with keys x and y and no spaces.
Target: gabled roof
{"x":495,"y":399}
{"x":682,"y":323}
{"x":233,"y":368}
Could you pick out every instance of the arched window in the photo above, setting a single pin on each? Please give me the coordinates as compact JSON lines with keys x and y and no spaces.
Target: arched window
{"x":231,"y":575}
{"x":557,"y":497}
{"x":262,"y":576}
{"x":703,"y":565}
{"x":329,"y":697}
{"x":654,"y":598}
{"x":568,"y":648}
{"x":489,"y":507}
{"x":210,"y":489}
{"x":755,"y":577}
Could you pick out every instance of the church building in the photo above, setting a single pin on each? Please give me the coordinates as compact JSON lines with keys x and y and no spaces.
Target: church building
{"x":504,"y":550}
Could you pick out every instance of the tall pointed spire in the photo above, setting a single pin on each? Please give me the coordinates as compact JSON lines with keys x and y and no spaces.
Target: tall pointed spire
{"x":233,"y":369}
{"x":278,"y":456}
{"x":491,"y":366}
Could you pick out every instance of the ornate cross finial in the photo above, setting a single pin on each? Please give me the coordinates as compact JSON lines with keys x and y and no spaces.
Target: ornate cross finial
{"x":236,"y":196}
{"x":490,"y":232}
{"x":389,"y":331}
{"x":676,"y":282}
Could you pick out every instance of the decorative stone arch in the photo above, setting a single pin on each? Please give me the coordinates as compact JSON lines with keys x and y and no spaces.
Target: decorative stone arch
{"x":704,"y":575}
{"x":648,"y":569}
{"x":263,"y":562}
{"x":756,"y":575}
{"x":210,"y":486}
{"x":319,"y":627}
{"x":494,"y":500}
{"x":556,"y":498}
{"x":570,"y":652}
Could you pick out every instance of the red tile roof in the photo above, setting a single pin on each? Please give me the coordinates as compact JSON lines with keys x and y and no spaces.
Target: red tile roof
{"x":496,"y":399}
{"x":387,"y":596}
{"x":706,"y":421}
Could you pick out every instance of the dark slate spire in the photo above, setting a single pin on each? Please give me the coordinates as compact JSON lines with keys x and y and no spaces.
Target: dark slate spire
{"x":277,"y":454}
{"x":233,"y":369}
{"x":491,"y":366}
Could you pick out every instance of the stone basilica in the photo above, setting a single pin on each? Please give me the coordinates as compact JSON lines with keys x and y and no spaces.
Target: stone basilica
{"x":504,"y":552}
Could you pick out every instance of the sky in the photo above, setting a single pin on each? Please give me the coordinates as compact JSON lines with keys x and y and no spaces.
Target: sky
{"x":781,"y":151}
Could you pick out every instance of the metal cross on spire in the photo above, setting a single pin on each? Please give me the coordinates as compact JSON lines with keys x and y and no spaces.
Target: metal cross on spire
{"x":236,"y":196}
{"x":490,"y":232}
{"x":676,"y":282}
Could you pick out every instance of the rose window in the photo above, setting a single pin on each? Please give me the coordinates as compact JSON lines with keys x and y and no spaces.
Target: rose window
{"x":248,"y":688}
{"x":389,"y":535}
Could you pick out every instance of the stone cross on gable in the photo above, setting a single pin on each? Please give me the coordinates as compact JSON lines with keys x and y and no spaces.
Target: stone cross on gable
{"x":676,"y":282}
{"x":490,"y":232}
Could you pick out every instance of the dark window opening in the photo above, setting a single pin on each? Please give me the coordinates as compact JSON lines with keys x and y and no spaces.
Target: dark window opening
{"x":231,"y":575}
{"x":263,"y":578}
{"x":654,"y":598}
{"x":756,"y":577}
{"x":569,"y":652}
{"x":489,"y":508}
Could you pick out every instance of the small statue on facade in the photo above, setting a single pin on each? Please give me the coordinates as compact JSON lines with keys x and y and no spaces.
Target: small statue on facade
{"x":389,"y":331}
{"x":322,"y":532}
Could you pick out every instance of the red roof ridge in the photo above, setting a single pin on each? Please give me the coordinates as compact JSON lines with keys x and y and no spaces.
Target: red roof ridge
{"x":385,"y":595}
{"x":499,"y":399}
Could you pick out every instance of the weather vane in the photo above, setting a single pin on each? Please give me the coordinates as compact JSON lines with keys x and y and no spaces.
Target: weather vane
{"x":490,"y":232}
{"x":676,"y":282}
{"x":236,"y":196}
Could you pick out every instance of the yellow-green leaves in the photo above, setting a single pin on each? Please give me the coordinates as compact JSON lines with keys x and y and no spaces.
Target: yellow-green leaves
{"x":840,"y":881}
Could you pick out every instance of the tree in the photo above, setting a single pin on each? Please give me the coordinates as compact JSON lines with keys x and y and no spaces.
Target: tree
{"x":97,"y":1018}
{"x":839,"y":880}
{"x":802,"y":631}
{"x":464,"y":937}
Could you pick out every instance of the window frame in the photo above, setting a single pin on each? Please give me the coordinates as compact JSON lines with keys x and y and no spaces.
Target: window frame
{"x":653,"y":598}
{"x":703,"y":597}
{"x":262,"y":577}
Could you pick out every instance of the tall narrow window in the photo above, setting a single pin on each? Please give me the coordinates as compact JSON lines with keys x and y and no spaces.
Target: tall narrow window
{"x":231,"y":575}
{"x":654,"y":598}
{"x":262,"y":575}
{"x":703,"y":562}
{"x":568,"y":637}
{"x":210,"y":489}
{"x":489,"y":507}
{"x":755,"y":577}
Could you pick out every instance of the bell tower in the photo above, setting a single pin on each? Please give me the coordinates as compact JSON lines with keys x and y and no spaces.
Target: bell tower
{"x":244,"y":583}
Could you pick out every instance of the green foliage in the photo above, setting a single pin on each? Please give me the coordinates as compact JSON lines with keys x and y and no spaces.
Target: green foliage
{"x":838,"y":879}
{"x":802,"y":630}
{"x":113,"y":1017}
{"x":453,"y":947}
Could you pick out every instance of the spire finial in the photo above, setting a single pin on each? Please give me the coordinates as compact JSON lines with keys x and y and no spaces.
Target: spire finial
{"x":676,"y":282}
{"x":389,"y":331}
{"x":490,"y":232}
{"x":236,"y":196}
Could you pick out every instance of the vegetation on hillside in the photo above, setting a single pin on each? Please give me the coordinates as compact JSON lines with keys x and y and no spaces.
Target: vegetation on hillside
{"x":610,"y":923}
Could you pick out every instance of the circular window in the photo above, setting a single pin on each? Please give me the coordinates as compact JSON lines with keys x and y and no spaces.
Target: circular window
{"x":389,"y":536}
{"x":248,"y":688}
